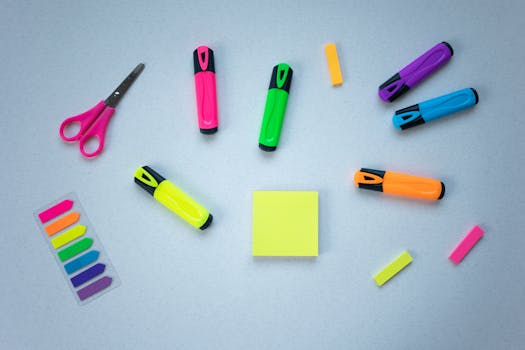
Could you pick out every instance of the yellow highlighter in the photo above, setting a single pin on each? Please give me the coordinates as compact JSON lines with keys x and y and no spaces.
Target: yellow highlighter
{"x":173,"y":197}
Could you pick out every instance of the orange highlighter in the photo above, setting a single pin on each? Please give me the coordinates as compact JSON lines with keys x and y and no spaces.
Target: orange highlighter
{"x":399,"y":184}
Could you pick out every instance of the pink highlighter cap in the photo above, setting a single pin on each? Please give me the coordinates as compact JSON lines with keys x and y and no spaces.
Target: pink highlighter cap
{"x":466,"y":244}
{"x":205,"y":89}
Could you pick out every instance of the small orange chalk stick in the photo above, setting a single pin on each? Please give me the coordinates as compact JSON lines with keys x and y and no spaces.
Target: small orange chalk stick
{"x":333,"y":64}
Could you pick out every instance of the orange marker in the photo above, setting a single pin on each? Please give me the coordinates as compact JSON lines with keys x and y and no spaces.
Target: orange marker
{"x":399,"y":184}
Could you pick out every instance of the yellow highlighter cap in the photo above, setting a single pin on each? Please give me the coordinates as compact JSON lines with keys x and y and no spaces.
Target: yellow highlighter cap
{"x":148,"y":179}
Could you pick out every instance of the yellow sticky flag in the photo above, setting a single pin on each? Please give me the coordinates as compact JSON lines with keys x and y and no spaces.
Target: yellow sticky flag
{"x":68,"y":236}
{"x":393,"y":268}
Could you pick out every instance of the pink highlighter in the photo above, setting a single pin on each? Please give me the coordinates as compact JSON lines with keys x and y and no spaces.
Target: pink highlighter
{"x":206,"y":90}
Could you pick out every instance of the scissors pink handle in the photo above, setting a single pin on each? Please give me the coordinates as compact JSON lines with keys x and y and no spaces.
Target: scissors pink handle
{"x":93,"y":123}
{"x":96,"y":130}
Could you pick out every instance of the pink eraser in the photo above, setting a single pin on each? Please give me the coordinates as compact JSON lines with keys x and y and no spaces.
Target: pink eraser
{"x":466,"y":244}
{"x":55,"y":210}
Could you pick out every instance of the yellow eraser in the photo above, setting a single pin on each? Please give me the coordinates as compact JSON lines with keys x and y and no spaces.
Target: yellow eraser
{"x":393,"y":268}
{"x":333,"y":64}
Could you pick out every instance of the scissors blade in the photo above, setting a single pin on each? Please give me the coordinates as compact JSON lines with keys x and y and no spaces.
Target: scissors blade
{"x":116,"y":95}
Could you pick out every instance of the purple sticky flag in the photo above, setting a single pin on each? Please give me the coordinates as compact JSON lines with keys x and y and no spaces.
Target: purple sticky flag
{"x":94,"y":287}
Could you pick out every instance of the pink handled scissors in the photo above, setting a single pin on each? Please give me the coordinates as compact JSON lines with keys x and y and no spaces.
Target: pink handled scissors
{"x":94,"y":121}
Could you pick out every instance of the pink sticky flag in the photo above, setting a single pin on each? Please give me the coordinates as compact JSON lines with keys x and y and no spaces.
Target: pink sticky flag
{"x":55,"y":210}
{"x":466,"y":244}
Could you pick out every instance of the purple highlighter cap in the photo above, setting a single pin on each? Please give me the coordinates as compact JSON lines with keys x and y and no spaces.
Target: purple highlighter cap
{"x":415,"y":72}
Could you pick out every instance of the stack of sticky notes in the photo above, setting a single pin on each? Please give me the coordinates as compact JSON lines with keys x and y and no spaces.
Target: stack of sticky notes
{"x":285,"y":223}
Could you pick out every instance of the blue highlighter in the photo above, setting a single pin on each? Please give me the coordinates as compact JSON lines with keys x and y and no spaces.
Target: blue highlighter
{"x":435,"y":108}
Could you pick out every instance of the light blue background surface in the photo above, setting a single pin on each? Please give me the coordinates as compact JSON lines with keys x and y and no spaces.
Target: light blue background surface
{"x":183,"y":289}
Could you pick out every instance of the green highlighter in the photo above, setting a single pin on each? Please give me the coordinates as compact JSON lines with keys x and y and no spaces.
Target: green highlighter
{"x":275,"y":107}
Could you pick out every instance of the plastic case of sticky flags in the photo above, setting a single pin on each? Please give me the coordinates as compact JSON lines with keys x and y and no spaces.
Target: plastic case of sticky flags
{"x":76,"y":248}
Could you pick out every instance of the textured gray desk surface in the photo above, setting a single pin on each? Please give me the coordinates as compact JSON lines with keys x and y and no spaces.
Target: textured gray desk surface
{"x":183,"y":289}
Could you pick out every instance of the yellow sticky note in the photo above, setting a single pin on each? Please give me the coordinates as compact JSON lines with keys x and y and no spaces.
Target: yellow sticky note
{"x":333,"y":64}
{"x":393,"y":268}
{"x":285,"y":223}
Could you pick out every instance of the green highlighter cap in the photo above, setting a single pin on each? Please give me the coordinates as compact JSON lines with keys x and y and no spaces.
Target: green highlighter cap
{"x":275,"y":107}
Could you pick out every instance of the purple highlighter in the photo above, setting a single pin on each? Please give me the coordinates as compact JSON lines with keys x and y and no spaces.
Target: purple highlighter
{"x":416,"y":71}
